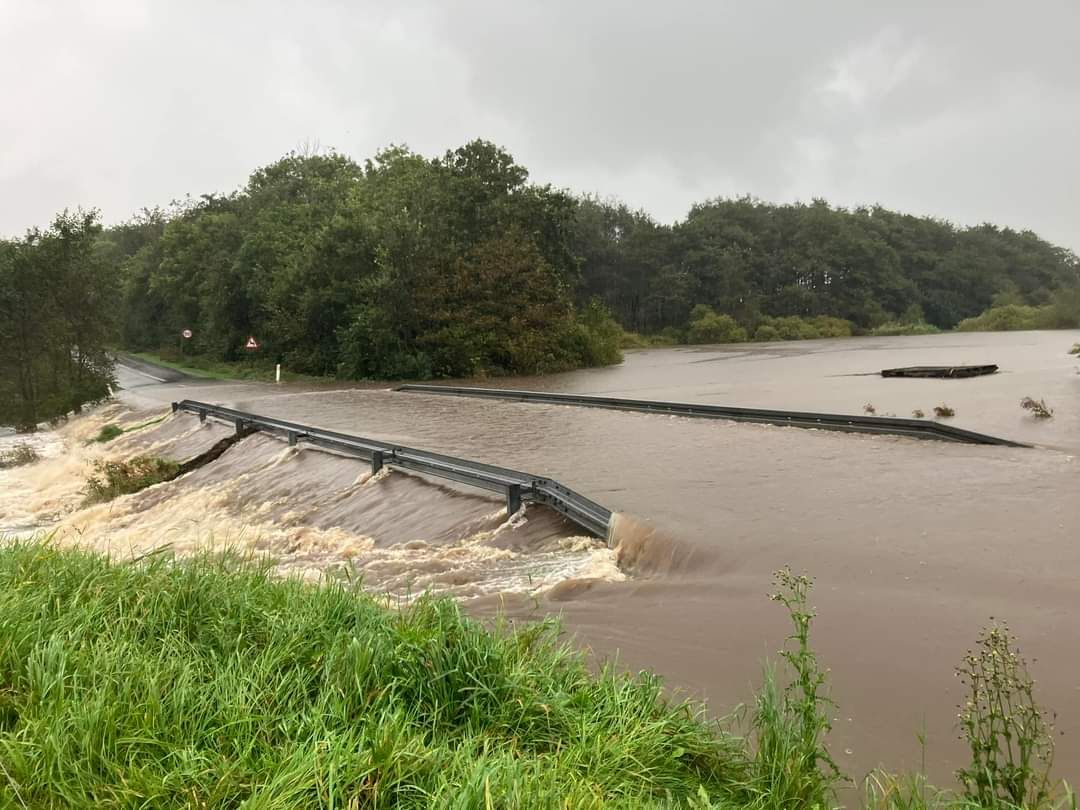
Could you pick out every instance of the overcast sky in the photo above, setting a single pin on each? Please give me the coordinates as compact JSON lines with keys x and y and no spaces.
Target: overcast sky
{"x":968,"y":111}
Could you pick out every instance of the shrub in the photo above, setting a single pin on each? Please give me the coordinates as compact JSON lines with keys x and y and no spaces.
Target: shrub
{"x":827,"y":326}
{"x":869,"y":408}
{"x":111,"y":479}
{"x":918,"y":413}
{"x":1075,"y":349}
{"x":1009,"y":735}
{"x":672,"y":334}
{"x":1063,"y":311}
{"x":1038,"y":407}
{"x":600,"y":336}
{"x":794,"y":327}
{"x":18,"y":456}
{"x":896,"y":328}
{"x":943,"y":411}
{"x":708,"y":326}
{"x":108,"y":433}
{"x":766,"y":332}
{"x":1009,"y":318}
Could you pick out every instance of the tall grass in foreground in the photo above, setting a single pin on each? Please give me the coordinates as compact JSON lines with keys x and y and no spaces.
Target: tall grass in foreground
{"x":207,"y":683}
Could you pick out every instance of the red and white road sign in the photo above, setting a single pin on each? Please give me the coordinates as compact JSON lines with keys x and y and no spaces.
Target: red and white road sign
{"x":186,"y":334}
{"x":252,"y":343}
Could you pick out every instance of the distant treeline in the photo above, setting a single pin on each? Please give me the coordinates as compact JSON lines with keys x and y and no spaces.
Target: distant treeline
{"x":407,"y":266}
{"x":782,"y":271}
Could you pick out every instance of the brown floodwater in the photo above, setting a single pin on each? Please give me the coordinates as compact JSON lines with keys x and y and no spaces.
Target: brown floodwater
{"x":914,"y":544}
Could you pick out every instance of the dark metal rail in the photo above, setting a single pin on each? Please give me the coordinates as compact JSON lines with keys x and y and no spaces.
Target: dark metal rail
{"x":889,"y":425}
{"x":518,"y":487}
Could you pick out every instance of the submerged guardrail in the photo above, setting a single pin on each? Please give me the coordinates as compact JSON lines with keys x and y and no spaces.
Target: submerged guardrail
{"x":887,"y":425}
{"x":518,"y":487}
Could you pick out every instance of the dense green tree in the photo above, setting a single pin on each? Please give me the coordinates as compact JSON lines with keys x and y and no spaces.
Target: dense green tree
{"x":58,"y":304}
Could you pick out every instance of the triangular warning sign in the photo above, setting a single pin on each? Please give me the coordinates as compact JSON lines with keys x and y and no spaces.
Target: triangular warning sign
{"x":252,"y":343}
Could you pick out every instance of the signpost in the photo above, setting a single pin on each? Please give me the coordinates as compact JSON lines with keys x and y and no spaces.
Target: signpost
{"x":252,"y":344}
{"x":184,"y":336}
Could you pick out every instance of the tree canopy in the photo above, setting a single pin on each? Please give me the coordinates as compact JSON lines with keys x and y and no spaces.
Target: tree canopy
{"x":755,"y":261}
{"x":458,"y":265}
{"x":58,"y":295}
{"x":402,"y":267}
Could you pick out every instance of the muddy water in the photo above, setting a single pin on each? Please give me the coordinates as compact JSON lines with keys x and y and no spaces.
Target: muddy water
{"x":914,"y":544}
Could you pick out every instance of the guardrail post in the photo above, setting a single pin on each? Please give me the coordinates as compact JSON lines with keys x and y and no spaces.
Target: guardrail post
{"x":376,"y":461}
{"x":292,"y":438}
{"x":175,"y":407}
{"x":202,"y":416}
{"x":239,"y":425}
{"x":513,"y":499}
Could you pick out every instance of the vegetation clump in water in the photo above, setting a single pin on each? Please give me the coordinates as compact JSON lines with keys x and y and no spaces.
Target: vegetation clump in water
{"x":943,"y":411}
{"x":19,"y":456}
{"x":1038,"y":407}
{"x":111,"y":431}
{"x":111,"y":479}
{"x":108,"y":433}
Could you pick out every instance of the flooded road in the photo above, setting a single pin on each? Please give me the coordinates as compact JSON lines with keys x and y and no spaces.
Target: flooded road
{"x":914,"y":544}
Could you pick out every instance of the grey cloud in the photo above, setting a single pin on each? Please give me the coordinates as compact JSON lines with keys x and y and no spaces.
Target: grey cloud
{"x":968,"y":111}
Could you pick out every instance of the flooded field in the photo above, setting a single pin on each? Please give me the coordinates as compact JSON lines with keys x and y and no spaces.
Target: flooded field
{"x":914,"y":544}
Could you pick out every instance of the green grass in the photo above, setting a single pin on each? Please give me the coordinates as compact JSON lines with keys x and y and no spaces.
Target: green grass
{"x":197,"y":366}
{"x":111,"y":431}
{"x":208,"y":683}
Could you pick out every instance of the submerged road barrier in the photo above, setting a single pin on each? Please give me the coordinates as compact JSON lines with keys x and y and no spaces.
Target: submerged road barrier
{"x":518,"y":487}
{"x":887,"y":425}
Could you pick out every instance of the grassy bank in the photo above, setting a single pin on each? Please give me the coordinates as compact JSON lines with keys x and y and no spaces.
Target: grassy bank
{"x":197,"y":366}
{"x":208,"y":684}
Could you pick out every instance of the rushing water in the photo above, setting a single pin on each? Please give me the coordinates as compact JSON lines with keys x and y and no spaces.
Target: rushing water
{"x":914,"y":544}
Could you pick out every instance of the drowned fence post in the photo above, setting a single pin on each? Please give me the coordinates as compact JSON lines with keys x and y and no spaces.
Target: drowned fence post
{"x":513,"y":499}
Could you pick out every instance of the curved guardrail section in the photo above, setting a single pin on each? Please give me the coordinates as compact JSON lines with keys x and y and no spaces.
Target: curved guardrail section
{"x":888,"y":425}
{"x":518,"y":487}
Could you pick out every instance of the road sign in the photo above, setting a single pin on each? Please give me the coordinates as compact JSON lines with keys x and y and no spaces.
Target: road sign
{"x":252,"y":344}
{"x":186,"y":334}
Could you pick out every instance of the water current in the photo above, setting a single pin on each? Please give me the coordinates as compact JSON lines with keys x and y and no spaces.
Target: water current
{"x":913,"y":544}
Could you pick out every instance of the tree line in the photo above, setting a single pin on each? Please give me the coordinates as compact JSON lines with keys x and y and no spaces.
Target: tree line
{"x":408,"y":266}
{"x":402,"y":267}
{"x":58,"y":313}
{"x":784,"y":266}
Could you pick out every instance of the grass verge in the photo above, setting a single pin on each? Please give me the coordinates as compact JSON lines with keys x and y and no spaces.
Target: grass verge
{"x":196,"y":366}
{"x":208,"y":684}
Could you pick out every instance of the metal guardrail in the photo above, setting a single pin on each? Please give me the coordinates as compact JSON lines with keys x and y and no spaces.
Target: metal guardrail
{"x":887,"y":425}
{"x":518,"y":487}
